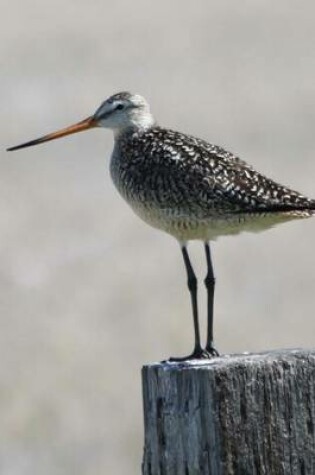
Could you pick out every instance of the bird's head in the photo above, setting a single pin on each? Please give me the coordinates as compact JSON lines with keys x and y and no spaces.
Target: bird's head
{"x":119,"y":112}
{"x":124,"y":110}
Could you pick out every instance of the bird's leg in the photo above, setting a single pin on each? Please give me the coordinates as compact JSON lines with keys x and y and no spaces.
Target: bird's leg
{"x":210,"y":284}
{"x":198,"y":352}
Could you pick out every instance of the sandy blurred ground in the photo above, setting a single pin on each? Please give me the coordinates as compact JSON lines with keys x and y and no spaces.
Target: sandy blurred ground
{"x":88,"y":292}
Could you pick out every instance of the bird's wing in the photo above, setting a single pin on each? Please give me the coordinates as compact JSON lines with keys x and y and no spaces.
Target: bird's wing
{"x":177,"y":172}
{"x":224,"y":180}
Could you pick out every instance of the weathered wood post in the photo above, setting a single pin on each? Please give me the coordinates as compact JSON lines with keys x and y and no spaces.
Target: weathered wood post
{"x":250,"y":414}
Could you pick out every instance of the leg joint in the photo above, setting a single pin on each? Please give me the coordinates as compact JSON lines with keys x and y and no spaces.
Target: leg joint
{"x":209,"y":281}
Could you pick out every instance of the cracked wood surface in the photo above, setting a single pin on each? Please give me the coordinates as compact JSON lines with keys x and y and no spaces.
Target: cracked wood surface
{"x":249,"y":414}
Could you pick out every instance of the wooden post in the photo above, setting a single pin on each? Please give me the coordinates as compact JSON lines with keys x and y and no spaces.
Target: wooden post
{"x":249,"y":414}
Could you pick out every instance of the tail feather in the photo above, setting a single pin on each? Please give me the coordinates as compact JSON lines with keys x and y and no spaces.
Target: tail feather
{"x":306,"y":209}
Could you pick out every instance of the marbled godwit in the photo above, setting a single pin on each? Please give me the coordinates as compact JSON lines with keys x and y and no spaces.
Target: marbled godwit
{"x":186,"y":187}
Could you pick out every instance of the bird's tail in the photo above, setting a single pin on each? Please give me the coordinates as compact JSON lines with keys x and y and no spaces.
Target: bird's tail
{"x":303,"y":210}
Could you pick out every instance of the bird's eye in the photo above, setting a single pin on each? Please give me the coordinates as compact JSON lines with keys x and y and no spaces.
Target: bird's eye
{"x":119,"y":107}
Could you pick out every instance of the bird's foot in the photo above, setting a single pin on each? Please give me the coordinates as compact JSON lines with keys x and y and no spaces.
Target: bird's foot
{"x":212,"y":351}
{"x":197,"y":354}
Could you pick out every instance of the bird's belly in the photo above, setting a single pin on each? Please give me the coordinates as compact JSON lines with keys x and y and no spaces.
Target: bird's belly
{"x":171,"y":221}
{"x":184,"y":227}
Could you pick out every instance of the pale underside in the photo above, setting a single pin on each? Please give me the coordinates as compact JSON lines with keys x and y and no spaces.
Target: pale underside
{"x":185,"y":228}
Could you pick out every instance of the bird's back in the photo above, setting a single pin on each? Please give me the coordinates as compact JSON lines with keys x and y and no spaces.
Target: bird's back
{"x":195,"y":190}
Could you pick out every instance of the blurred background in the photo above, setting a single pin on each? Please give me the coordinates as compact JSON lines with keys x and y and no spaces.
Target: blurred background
{"x":88,"y":292}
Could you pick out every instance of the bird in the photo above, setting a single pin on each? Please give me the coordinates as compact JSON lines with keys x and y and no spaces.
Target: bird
{"x":187,"y":187}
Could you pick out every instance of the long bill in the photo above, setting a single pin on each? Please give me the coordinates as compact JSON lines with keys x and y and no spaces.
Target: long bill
{"x":85,"y":124}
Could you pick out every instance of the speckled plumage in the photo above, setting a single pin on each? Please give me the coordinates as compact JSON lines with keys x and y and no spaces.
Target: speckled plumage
{"x":195,"y":190}
{"x":186,"y":187}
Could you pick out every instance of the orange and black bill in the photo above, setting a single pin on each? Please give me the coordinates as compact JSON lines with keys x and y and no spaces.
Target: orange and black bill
{"x":73,"y":129}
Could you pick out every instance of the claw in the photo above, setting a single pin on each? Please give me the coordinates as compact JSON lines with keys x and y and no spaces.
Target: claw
{"x":212,"y":352}
{"x":197,"y":354}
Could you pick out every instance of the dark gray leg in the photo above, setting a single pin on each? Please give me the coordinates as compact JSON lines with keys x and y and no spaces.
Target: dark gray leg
{"x":198,"y":352}
{"x":192,"y":286}
{"x":210,"y":284}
